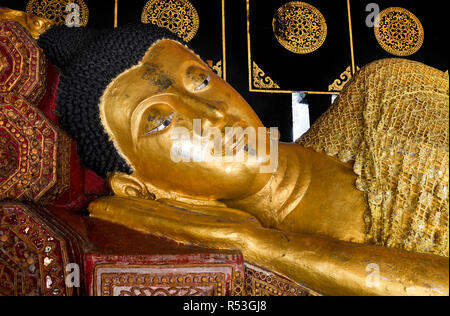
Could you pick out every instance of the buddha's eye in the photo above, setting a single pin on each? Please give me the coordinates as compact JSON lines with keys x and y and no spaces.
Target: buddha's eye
{"x":204,"y":84}
{"x":196,"y":78}
{"x":157,"y":120}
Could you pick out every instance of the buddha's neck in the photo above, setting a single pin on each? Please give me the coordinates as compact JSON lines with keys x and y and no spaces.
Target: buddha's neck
{"x":285,"y":189}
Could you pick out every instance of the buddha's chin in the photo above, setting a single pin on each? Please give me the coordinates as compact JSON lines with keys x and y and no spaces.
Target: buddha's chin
{"x":226,"y":181}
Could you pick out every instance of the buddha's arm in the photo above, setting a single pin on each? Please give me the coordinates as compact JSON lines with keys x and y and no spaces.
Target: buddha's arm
{"x":334,"y":267}
{"x":328,"y":266}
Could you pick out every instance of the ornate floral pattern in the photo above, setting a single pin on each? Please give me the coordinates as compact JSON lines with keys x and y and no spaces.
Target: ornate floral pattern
{"x":299,"y":27}
{"x":178,"y":16}
{"x":261,"y":80}
{"x":399,"y":32}
{"x":339,"y":83}
{"x":55,"y":10}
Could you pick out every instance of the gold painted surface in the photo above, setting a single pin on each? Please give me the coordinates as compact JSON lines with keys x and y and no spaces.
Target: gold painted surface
{"x":35,"y":25}
{"x":394,"y":128}
{"x":55,"y":10}
{"x":399,"y":32}
{"x":306,"y":220}
{"x":224,"y":49}
{"x":299,"y":27}
{"x":261,"y":80}
{"x":178,"y":16}
{"x":328,"y":266}
{"x":116,"y":13}
{"x":352,"y":49}
{"x":339,"y":83}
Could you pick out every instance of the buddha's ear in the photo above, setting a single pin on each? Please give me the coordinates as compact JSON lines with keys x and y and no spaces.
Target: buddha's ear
{"x":128,"y":186}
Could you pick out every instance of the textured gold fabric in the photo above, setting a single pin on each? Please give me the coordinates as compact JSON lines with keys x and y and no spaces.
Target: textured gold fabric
{"x":392,"y":121}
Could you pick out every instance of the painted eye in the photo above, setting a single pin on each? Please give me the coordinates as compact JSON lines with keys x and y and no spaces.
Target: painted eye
{"x":196,"y":79}
{"x":157,"y":122}
{"x":204,"y":84}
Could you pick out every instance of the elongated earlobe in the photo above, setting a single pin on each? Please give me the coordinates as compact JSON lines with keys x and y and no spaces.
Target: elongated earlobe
{"x":128,"y":186}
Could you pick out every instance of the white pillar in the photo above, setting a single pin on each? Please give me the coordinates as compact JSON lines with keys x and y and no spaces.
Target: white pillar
{"x":300,"y":115}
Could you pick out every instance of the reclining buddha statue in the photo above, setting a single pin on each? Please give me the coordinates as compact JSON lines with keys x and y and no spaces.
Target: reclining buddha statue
{"x":366,"y":187}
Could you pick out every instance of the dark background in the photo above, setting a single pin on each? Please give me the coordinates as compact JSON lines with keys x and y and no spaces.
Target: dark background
{"x":433,"y":16}
{"x":313,"y":72}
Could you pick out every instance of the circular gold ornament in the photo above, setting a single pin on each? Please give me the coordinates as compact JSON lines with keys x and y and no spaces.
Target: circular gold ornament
{"x":178,"y":16}
{"x":55,"y":10}
{"x":398,"y":31}
{"x":299,"y":27}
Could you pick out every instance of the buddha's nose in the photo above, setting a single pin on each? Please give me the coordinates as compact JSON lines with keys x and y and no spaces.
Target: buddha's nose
{"x":199,"y":108}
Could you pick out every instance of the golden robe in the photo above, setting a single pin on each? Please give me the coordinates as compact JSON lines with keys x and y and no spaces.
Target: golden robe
{"x":392,"y":122}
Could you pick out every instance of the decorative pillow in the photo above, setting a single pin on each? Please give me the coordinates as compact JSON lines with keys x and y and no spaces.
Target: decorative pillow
{"x":43,"y":168}
{"x":34,"y":153}
{"x":23,"y":67}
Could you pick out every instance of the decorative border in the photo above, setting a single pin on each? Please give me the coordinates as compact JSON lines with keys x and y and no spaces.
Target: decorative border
{"x":152,"y":271}
{"x":166,"y":279}
{"x":260,"y":282}
{"x":340,"y":82}
{"x":250,"y":60}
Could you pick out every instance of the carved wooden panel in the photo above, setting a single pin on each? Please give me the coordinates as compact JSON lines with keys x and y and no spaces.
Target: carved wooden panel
{"x":165,"y":275}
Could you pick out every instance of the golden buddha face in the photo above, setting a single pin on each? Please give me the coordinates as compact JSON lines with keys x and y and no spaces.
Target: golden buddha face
{"x":33,"y":24}
{"x":173,"y":88}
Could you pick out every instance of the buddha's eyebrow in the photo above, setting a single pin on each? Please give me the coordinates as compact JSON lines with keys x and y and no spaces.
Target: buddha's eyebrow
{"x":156,"y":77}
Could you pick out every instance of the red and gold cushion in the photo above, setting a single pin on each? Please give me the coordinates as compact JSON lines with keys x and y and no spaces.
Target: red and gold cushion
{"x":35,"y":250}
{"x":34,"y":153}
{"x":23,"y":67}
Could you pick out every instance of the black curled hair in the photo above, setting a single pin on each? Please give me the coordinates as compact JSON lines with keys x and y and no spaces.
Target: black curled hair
{"x":88,"y":60}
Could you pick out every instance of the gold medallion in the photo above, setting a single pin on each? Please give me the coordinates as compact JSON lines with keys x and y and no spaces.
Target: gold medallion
{"x":55,"y":10}
{"x":399,"y":32}
{"x":178,"y":16}
{"x":299,"y":27}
